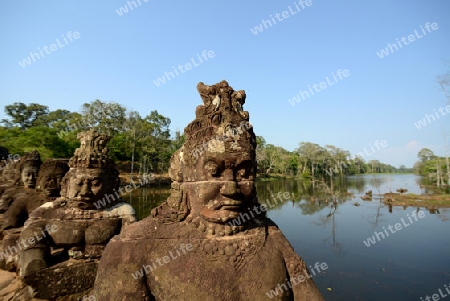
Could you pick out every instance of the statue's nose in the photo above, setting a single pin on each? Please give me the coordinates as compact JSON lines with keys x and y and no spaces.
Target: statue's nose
{"x":52,"y":183}
{"x":85,"y":190}
{"x":229,"y":189}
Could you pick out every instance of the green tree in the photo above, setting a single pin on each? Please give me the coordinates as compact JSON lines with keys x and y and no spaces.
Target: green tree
{"x":310,"y":154}
{"x":177,"y":142}
{"x":261,"y":156}
{"x":23,"y":115}
{"x":40,"y":138}
{"x":55,"y":119}
{"x":105,"y":117}
{"x":338,"y":158}
{"x":425,"y":154}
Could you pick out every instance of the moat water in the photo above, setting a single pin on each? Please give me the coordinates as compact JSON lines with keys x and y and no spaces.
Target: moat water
{"x":408,"y":256}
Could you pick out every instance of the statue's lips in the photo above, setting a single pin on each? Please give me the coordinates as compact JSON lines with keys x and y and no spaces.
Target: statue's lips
{"x":227,"y":204}
{"x":230,"y":207}
{"x":85,"y":199}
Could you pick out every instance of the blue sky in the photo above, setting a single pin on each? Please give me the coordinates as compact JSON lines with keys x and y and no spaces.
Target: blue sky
{"x":118,"y":58}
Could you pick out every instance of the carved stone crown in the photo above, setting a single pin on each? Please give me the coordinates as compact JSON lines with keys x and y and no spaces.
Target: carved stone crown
{"x":222,"y":119}
{"x":222,"y":106}
{"x":31,"y":159}
{"x":92,"y":152}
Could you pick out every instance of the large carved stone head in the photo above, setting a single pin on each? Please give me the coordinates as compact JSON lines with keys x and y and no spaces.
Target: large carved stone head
{"x":50,"y":177}
{"x":213,"y":173}
{"x":92,"y":173}
{"x":29,"y":169}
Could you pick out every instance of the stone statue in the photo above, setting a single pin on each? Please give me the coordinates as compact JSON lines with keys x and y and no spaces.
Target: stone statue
{"x":47,"y":190}
{"x":30,"y":169}
{"x":72,"y":232}
{"x":190,"y":247}
{"x":9,"y":185}
{"x":20,"y":178}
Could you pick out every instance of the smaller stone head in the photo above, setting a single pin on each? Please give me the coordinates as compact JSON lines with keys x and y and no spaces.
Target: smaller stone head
{"x":29,"y":168}
{"x":92,"y":175}
{"x":50,"y":177}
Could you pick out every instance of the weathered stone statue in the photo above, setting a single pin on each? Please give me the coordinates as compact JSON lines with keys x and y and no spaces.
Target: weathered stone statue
{"x":72,"y":232}
{"x":48,"y":189}
{"x":9,"y":184}
{"x":20,"y":178}
{"x":190,"y":248}
{"x":30,"y":169}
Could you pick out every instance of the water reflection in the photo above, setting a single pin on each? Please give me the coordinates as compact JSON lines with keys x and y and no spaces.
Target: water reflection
{"x":144,"y":199}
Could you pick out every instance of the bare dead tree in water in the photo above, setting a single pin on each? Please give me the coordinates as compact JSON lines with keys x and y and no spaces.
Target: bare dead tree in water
{"x":331,"y":240}
{"x":376,"y":184}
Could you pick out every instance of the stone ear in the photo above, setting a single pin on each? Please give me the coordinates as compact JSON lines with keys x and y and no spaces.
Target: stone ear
{"x":185,"y":206}
{"x":64,"y":183}
{"x":176,"y":165}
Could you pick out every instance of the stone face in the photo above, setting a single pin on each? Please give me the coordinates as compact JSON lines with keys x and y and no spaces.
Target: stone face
{"x":190,"y":247}
{"x":30,"y":168}
{"x":99,"y":181}
{"x":69,"y":233}
{"x":50,"y":177}
{"x":15,"y":175}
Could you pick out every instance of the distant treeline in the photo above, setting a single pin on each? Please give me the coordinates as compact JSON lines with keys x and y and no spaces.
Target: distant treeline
{"x":146,"y":141}
{"x":311,"y":160}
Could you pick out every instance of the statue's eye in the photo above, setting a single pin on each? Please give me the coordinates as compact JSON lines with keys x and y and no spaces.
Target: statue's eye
{"x":212,"y":168}
{"x":244,"y":170}
{"x":240,"y":173}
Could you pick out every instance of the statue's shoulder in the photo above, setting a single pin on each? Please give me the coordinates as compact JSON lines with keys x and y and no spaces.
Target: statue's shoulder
{"x":143,"y":229}
{"x":43,"y":210}
{"x":274,"y":232}
{"x":121,"y":209}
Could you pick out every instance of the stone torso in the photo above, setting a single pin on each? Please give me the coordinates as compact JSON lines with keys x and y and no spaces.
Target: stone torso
{"x":216,"y":267}
{"x":78,"y":226}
